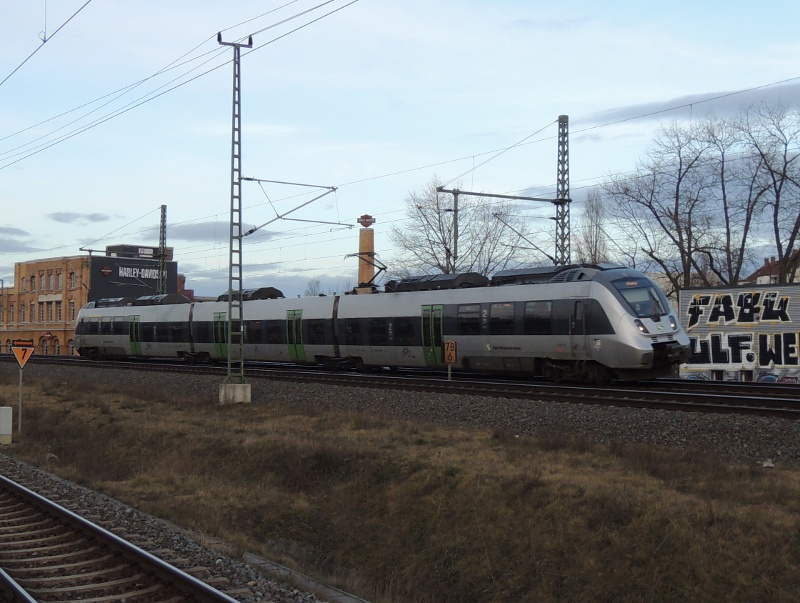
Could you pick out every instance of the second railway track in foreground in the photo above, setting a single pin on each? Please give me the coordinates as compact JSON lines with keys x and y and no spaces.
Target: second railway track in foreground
{"x":51,"y":554}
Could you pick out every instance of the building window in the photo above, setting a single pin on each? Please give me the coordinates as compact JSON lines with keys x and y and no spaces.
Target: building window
{"x":50,"y":281}
{"x":72,"y":309}
{"x":2,"y":315}
{"x":41,"y":311}
{"x":11,"y":313}
{"x":44,"y":347}
{"x":23,"y":284}
{"x":49,"y":311}
{"x":73,"y":281}
{"x":60,"y":281}
{"x":58,"y":311}
{"x":33,"y":283}
{"x":56,"y":347}
{"x":71,"y":347}
{"x":33,"y":312}
{"x":21,"y":313}
{"x":41,"y":282}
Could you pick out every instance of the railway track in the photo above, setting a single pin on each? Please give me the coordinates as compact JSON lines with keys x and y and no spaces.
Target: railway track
{"x":48,"y":553}
{"x":768,"y":400}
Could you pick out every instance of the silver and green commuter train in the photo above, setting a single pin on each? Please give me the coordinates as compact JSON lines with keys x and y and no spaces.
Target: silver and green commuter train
{"x":581,"y":322}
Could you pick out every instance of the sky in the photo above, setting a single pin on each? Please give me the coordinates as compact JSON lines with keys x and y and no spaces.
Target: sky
{"x":109,"y":110}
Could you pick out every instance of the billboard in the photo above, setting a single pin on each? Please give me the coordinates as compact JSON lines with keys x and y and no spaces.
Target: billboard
{"x":743,"y":333}
{"x":127,"y":277}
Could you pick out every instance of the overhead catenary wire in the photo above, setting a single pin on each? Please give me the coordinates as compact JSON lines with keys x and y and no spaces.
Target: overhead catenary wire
{"x":525,"y":141}
{"x":152,"y":95}
{"x":44,"y":40}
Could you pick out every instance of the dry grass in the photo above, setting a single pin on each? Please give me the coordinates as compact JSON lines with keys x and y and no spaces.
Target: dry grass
{"x":412,"y":512}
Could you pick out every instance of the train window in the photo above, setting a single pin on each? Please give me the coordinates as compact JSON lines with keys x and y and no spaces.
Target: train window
{"x":147,"y":331}
{"x":105,"y":325}
{"x":538,"y":317}
{"x":162,"y":332}
{"x":94,"y":326}
{"x":202,"y":332}
{"x":275,"y":329}
{"x":352,"y":329}
{"x":562,"y":314}
{"x":597,"y":322}
{"x":179,"y":331}
{"x":253,"y":331}
{"x":501,"y":319}
{"x":404,"y":331}
{"x":469,"y":319}
{"x":377,"y":331}
{"x":316,"y":331}
{"x":642,"y":297}
{"x":119,"y":326}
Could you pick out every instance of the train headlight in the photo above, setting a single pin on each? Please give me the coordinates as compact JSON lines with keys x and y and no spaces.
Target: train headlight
{"x":673,"y":323}
{"x":641,"y":326}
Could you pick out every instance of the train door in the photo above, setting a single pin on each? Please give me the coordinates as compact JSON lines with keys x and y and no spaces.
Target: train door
{"x":220,"y":334}
{"x":294,"y":335}
{"x":432,"y":335}
{"x":135,"y":334}
{"x":577,"y":334}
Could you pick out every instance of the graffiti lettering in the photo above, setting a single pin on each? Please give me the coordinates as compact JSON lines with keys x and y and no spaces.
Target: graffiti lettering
{"x":753,"y":307}
{"x":777,"y":349}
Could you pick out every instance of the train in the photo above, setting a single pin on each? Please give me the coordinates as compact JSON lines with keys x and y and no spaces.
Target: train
{"x":583,"y":322}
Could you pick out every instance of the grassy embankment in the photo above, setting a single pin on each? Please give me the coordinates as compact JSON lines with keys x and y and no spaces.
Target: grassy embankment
{"x":409,"y":512}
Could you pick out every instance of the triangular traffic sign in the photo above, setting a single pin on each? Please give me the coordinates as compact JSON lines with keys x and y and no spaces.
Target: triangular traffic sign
{"x":22,"y":355}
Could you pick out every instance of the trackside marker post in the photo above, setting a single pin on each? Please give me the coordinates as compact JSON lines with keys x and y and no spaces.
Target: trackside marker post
{"x":450,"y":357}
{"x":23,"y":350}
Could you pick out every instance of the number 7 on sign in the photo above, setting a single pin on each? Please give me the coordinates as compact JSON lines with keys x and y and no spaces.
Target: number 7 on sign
{"x":22,"y":355}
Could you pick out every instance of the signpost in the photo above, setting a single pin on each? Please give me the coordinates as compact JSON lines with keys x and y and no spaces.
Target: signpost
{"x":23,"y":350}
{"x":450,"y":356}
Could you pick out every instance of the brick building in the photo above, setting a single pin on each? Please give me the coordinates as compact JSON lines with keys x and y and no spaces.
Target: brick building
{"x":43,"y":301}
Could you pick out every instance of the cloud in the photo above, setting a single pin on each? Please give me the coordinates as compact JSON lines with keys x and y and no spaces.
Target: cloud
{"x":66,"y":217}
{"x":217,"y":231}
{"x":9,"y":242}
{"x":6,"y":231}
{"x":721,"y":104}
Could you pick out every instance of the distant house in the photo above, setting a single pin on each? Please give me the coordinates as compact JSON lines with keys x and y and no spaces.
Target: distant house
{"x":768,"y":273}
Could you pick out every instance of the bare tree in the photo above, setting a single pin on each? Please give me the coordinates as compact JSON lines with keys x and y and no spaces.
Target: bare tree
{"x":313,"y":288}
{"x":773,"y":135}
{"x":736,"y":200}
{"x":662,"y":209}
{"x":426,"y":242}
{"x":589,"y":236}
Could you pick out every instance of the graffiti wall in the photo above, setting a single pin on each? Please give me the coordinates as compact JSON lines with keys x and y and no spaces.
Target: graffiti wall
{"x":743,"y":334}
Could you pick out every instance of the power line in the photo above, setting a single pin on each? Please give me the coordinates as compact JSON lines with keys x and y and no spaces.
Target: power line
{"x":44,"y":40}
{"x":152,"y":94}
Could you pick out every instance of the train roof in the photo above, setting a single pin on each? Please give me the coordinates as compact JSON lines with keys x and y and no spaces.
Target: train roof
{"x":550,"y":274}
{"x":260,"y":293}
{"x":162,"y":299}
{"x":434,"y":282}
{"x":520,"y":276}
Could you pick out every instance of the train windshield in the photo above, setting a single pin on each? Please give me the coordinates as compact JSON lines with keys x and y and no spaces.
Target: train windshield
{"x":643,"y":298}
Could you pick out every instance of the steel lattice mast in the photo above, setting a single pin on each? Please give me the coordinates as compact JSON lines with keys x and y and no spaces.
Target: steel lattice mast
{"x":162,"y":253}
{"x":235,"y":315}
{"x":562,"y":201}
